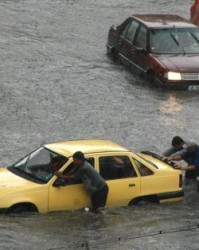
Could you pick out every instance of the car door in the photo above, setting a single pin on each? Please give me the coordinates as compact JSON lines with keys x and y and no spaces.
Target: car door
{"x":125,"y":42}
{"x":139,"y":50}
{"x":121,"y":177}
{"x":149,"y":183}
{"x":72,"y":195}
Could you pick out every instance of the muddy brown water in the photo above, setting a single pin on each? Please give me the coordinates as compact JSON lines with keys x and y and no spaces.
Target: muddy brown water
{"x":57,"y":84}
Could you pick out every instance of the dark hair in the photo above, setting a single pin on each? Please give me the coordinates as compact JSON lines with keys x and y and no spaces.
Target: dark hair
{"x":176,"y":141}
{"x":78,"y":155}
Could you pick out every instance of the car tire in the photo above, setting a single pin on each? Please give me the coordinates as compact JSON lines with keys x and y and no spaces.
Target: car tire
{"x":22,"y":208}
{"x":144,"y":200}
{"x":151,"y":76}
{"x":112,"y":54}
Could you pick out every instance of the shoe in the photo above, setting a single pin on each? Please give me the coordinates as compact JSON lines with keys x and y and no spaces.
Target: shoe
{"x":99,"y":210}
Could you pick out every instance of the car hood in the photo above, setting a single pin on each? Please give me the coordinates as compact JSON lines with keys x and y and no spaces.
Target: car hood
{"x":181,"y":63}
{"x":10,"y":181}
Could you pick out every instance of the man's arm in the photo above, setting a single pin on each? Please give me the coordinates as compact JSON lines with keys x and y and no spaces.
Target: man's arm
{"x":175,"y":158}
{"x":186,"y":168}
{"x":64,"y":177}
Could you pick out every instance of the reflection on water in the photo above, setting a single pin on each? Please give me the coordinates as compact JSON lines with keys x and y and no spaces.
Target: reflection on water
{"x":171,"y":105}
{"x":53,"y":55}
{"x":118,"y":228}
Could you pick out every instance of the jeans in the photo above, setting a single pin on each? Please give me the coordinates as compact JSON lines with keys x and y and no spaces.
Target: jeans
{"x":99,"y":198}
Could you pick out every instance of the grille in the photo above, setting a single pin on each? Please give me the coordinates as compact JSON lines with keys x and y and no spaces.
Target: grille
{"x":190,"y":76}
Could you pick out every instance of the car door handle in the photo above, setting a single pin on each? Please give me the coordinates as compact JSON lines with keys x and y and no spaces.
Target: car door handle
{"x":132,"y":185}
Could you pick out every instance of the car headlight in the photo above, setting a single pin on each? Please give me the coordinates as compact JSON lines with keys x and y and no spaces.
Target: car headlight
{"x":174,"y":76}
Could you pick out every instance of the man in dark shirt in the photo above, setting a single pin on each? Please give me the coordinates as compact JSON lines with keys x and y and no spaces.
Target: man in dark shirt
{"x":93,"y":181}
{"x":178,"y":148}
{"x":191,"y":155}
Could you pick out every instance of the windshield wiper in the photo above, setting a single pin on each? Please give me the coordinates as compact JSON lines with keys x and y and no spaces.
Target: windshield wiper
{"x":194,"y":37}
{"x":176,"y":41}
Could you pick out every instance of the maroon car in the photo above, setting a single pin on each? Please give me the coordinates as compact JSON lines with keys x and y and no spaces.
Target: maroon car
{"x":163,"y":47}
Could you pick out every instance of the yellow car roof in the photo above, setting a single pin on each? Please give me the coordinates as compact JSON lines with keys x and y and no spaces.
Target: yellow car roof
{"x":68,"y":148}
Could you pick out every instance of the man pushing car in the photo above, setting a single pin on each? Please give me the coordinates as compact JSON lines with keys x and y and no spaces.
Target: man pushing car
{"x":95,"y":184}
{"x":192,"y":152}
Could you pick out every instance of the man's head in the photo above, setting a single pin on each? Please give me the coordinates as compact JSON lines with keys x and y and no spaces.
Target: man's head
{"x":78,"y":158}
{"x":57,"y":162}
{"x":177,"y":142}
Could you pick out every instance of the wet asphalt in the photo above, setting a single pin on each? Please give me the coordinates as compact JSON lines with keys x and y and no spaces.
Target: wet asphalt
{"x":56,"y":83}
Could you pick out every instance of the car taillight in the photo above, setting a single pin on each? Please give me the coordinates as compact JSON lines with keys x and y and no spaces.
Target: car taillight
{"x":180,"y":180}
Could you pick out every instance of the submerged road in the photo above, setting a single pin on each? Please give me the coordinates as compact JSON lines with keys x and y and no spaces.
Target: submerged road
{"x":56,"y":83}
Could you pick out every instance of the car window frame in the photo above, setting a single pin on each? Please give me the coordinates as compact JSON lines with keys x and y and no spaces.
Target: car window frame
{"x":117,"y":155}
{"x":65,"y":170}
{"x":120,"y":28}
{"x":141,"y":170}
{"x":137,"y":34}
{"x":123,"y":35}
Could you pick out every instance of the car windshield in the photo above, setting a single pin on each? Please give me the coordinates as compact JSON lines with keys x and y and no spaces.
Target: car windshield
{"x":40,"y":165}
{"x":174,"y":41}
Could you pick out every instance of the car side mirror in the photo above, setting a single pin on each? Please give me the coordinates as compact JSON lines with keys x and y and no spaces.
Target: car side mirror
{"x":59,"y":183}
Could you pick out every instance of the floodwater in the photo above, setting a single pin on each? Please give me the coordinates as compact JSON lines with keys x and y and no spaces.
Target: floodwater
{"x":56,"y":83}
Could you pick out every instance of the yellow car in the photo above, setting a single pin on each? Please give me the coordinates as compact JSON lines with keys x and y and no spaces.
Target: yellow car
{"x":30,"y":184}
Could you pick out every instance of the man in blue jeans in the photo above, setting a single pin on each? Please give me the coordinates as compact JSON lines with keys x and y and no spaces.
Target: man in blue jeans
{"x":93,"y":181}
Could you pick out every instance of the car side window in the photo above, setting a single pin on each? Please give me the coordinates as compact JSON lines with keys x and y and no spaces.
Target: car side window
{"x":130,"y":30}
{"x":141,"y":38}
{"x":116,"y":167}
{"x":143,"y":170}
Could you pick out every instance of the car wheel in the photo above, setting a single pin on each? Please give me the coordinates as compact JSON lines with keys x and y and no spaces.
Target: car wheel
{"x":153,"y":80}
{"x":112,"y":54}
{"x":144,"y":200}
{"x":151,"y":76}
{"x":22,"y":208}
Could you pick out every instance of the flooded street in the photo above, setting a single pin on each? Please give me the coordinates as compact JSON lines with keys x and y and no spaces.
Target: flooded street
{"x":57,"y":84}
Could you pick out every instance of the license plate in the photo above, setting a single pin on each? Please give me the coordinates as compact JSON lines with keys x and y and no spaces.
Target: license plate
{"x":193,"y":87}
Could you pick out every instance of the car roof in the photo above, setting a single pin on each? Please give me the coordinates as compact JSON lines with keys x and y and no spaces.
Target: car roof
{"x":68,"y":148}
{"x":163,"y":21}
